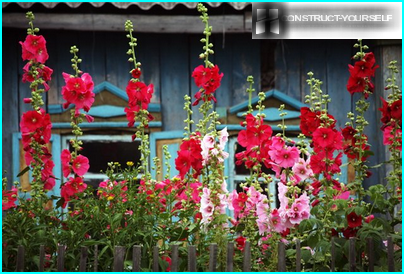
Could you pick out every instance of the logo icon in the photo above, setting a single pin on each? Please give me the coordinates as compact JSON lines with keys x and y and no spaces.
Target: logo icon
{"x":267,"y":20}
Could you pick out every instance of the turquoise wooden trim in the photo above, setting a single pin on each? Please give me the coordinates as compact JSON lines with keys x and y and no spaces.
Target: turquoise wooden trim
{"x":152,"y":124}
{"x":272,"y":114}
{"x":271,"y":93}
{"x":58,"y":108}
{"x":154,"y":136}
{"x":106,"y":111}
{"x":57,"y":169}
{"x":235,"y":127}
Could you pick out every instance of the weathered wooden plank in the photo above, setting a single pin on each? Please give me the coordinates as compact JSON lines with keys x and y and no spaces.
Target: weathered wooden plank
{"x":212,"y":257}
{"x":247,"y":257}
{"x":10,"y":83}
{"x":191,"y":258}
{"x":281,"y":257}
{"x":136,"y":258}
{"x":119,"y":256}
{"x":298,"y":256}
{"x":352,"y":255}
{"x":117,"y":67}
{"x":174,"y":67}
{"x":41,"y":258}
{"x":155,"y":259}
{"x":96,"y":258}
{"x":230,"y":253}
{"x":115,"y":22}
{"x":92,"y":52}
{"x":333,"y":254}
{"x":61,"y":258}
{"x":390,"y":254}
{"x":20,"y":258}
{"x":371,"y":254}
{"x":148,"y":54}
{"x":83,"y":259}
{"x":53,"y":95}
{"x":223,"y":59}
{"x":174,"y":258}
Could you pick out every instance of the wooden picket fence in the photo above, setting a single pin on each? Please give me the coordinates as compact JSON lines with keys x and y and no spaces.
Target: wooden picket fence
{"x":118,"y":264}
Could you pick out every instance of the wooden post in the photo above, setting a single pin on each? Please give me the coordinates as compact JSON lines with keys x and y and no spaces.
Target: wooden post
{"x":156,"y":259}
{"x":390,"y":254}
{"x":298,"y":256}
{"x":61,"y":258}
{"x":371,"y":254}
{"x":136,"y":258}
{"x":20,"y":258}
{"x":247,"y":257}
{"x":96,"y":258}
{"x":333,"y":254}
{"x":41,"y":258}
{"x":119,"y":257}
{"x":230,"y":253}
{"x":174,"y":258}
{"x":281,"y":257}
{"x":83,"y":259}
{"x":352,"y":255}
{"x":212,"y":257}
{"x":191,"y":258}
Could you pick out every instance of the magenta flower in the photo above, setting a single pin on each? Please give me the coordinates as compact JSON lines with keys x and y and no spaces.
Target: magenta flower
{"x":80,"y":165}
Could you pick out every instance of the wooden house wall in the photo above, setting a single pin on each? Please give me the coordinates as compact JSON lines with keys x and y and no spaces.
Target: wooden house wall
{"x":168,"y":60}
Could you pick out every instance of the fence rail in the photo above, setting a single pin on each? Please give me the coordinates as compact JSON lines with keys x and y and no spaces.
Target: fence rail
{"x":120,"y":251}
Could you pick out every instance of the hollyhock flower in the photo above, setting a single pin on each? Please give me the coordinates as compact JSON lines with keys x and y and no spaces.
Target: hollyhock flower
{"x":31,"y":121}
{"x":240,"y":243}
{"x":47,"y":176}
{"x":396,"y":110}
{"x":358,"y":85}
{"x":316,"y":186}
{"x":276,"y":221}
{"x":9,"y":198}
{"x":223,"y":138}
{"x":283,"y":199}
{"x":343,"y":196}
{"x":302,"y":170}
{"x":78,"y":91}
{"x":208,"y":79}
{"x":309,"y":121}
{"x":390,"y":134}
{"x":183,"y":162}
{"x":189,"y":155}
{"x":369,"y":218}
{"x":354,"y":220}
{"x":66,"y":157}
{"x":286,"y":157}
{"x":327,"y":138}
{"x":136,"y":73}
{"x":386,"y":111}
{"x":34,"y":48}
{"x":80,"y":165}
{"x":349,"y":232}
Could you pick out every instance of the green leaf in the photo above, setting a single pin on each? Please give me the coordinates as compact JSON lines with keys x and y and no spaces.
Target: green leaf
{"x":22,"y":172}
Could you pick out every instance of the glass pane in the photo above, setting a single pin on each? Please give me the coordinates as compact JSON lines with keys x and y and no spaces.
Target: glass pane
{"x":101,"y":152}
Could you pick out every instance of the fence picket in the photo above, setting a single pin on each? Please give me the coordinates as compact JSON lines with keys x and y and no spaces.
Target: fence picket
{"x":174,"y":258}
{"x":83,"y":259}
{"x":281,"y":257}
{"x":390,"y":254}
{"x":352,"y":255}
{"x":230,"y":252}
{"x":119,"y":256}
{"x":298,"y":256}
{"x":61,"y":258}
{"x":247,"y":257}
{"x":136,"y":258}
{"x":20,"y":259}
{"x":95,"y":258}
{"x":371,"y":254}
{"x":155,"y":259}
{"x":191,"y":258}
{"x":212,"y":257}
{"x":41,"y":258}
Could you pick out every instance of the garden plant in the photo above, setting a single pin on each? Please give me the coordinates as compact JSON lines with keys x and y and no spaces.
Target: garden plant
{"x":133,"y":208}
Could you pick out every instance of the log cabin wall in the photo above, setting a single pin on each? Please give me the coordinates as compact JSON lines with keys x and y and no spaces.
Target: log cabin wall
{"x":169,"y":58}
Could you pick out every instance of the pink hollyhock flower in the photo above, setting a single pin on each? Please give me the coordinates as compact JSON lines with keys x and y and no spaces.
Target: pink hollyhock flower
{"x":369,"y":218}
{"x":286,"y":157}
{"x":239,"y":202}
{"x":80,"y":165}
{"x":9,"y":198}
{"x":262,"y":209}
{"x":302,"y":169}
{"x":78,"y":91}
{"x":343,"y":196}
{"x":34,"y":48}
{"x":66,"y":157}
{"x":389,"y":136}
{"x":223,"y":138}
{"x":282,"y":190}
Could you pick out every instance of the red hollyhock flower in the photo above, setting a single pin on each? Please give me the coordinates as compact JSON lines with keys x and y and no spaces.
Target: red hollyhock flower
{"x":348,"y":232}
{"x":136,"y":73}
{"x":354,"y":220}
{"x":34,"y":48}
{"x":78,"y":91}
{"x":396,"y":110}
{"x":189,"y":155}
{"x":369,"y":218}
{"x":80,"y":165}
{"x":208,"y":79}
{"x":240,"y":243}
{"x":9,"y":198}
{"x":309,"y":121}
{"x":326,"y":138}
{"x":66,"y":157}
